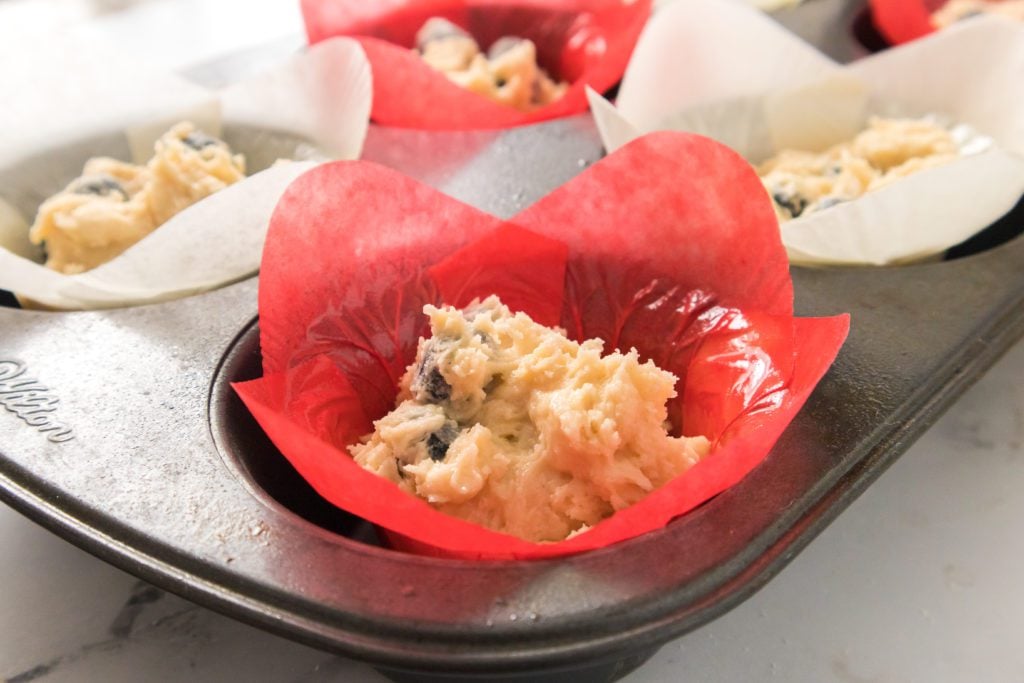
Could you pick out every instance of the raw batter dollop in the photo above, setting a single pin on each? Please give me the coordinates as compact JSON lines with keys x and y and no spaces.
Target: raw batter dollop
{"x":508,"y":73}
{"x":507,"y":423}
{"x":801,"y":182}
{"x":955,"y":10}
{"x":113,"y":204}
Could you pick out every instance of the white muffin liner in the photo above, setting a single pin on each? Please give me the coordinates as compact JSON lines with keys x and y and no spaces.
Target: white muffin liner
{"x":314,"y":107}
{"x":720,"y":69}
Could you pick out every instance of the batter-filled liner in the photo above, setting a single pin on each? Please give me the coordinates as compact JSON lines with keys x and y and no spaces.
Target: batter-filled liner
{"x":583,"y":42}
{"x":688,"y":269}
{"x":314,"y":106}
{"x":778,"y":93}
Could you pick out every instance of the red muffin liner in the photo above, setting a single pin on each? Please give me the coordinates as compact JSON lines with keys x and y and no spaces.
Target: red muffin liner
{"x":583,"y":42}
{"x":900,"y":21}
{"x":669,"y":245}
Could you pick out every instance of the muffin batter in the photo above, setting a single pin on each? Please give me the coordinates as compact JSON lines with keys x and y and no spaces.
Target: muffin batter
{"x":802,"y":182}
{"x":113,"y":204}
{"x":955,"y":10}
{"x":507,"y":74}
{"x":507,"y":423}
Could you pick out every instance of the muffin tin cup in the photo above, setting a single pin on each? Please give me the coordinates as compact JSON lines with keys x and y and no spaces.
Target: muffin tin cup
{"x":124,"y":436}
{"x":215,"y":241}
{"x":344,"y":283}
{"x":314,"y":106}
{"x":777,"y":93}
{"x":578,"y":42}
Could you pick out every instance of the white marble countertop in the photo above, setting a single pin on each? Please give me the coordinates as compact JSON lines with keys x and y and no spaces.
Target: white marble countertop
{"x":917,"y":581}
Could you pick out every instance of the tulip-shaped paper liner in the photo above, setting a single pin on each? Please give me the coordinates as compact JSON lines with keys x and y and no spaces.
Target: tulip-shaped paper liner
{"x":582,"y":42}
{"x":668,"y":246}
{"x":766,"y":91}
{"x":314,"y":106}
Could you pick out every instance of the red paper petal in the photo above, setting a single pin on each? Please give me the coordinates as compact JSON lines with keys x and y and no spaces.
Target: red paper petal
{"x":585,"y":42}
{"x":901,"y":21}
{"x":348,"y":245}
{"x":740,"y":367}
{"x":525,"y":270}
{"x":354,"y":250}
{"x":316,"y":397}
{"x":817,"y":341}
{"x":676,"y":207}
{"x":318,"y":458}
{"x":650,"y":288}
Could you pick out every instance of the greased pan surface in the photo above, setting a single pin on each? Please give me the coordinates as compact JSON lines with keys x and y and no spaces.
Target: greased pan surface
{"x":146,"y":460}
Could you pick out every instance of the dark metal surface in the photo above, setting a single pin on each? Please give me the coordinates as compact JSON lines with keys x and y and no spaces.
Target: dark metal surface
{"x":167,"y":476}
{"x":828,"y":25}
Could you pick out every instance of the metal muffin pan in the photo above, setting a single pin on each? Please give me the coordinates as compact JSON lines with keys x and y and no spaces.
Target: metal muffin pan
{"x":122,"y":434}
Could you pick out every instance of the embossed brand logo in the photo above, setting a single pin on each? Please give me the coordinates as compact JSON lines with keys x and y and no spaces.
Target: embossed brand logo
{"x":32,"y":402}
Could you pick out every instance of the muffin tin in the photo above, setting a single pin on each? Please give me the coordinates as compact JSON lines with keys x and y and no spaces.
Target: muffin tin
{"x":123,"y":435}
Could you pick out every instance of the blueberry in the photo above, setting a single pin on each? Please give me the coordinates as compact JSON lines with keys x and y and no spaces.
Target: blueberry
{"x":439,"y":441}
{"x":434,"y":385}
{"x":99,"y":185}
{"x":199,"y":140}
{"x":429,"y":385}
{"x":502,"y":45}
{"x":793,"y":203}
